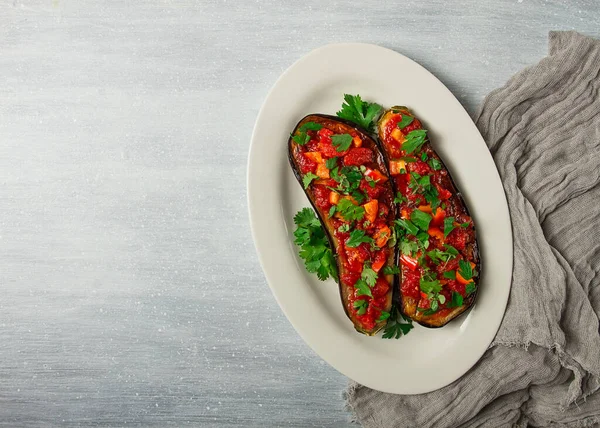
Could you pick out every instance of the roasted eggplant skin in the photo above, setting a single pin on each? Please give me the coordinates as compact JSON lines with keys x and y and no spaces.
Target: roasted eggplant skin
{"x":456,"y":205}
{"x":294,"y":150}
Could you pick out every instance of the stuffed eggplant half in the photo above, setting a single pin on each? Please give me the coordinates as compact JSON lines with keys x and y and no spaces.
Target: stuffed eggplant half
{"x":438,"y":255}
{"x":343,"y":173}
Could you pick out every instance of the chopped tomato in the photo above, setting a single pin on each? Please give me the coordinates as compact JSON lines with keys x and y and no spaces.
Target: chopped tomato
{"x":358,"y":156}
{"x":350,"y":278}
{"x":372,"y":192}
{"x":321,"y":197}
{"x":382,"y":236}
{"x":409,"y":262}
{"x":306,"y":164}
{"x":443,"y":193}
{"x":379,"y":260}
{"x":458,"y":238}
{"x":381,"y":287}
{"x":419,"y":167}
{"x":410,"y":282}
{"x":371,"y":210}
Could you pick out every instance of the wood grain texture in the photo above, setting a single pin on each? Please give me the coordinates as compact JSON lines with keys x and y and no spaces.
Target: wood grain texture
{"x":131,"y":293}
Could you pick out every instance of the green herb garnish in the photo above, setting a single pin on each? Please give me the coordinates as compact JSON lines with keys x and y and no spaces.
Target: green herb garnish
{"x":358,"y":111}
{"x":314,"y":245}
{"x":341,"y":142}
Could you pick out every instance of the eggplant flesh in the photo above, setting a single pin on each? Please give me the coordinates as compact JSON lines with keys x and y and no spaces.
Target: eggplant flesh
{"x":456,"y":206}
{"x":347,"y":292}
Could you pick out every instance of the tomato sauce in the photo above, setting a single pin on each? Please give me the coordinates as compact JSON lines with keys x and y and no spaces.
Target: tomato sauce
{"x":354,"y":196}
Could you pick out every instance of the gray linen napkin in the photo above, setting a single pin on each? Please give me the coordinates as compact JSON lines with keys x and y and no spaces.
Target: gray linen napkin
{"x":543,"y":368}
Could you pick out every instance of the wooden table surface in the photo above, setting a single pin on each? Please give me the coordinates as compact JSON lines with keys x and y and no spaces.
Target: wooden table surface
{"x":131,"y":291}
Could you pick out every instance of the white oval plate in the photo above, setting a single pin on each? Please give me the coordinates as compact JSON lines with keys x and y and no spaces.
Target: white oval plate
{"x":425,"y":359}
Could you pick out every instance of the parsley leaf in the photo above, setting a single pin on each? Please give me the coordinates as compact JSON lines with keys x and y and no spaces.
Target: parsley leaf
{"x":332,"y":211}
{"x":438,"y":256}
{"x":391,"y":270}
{"x":357,"y":237}
{"x":383,"y":316}
{"x":301,"y":138}
{"x":405,"y":121}
{"x":314,"y":245}
{"x":448,"y":225}
{"x":421,"y":219}
{"x":435,"y":164}
{"x":308,"y":178}
{"x":457,"y":300}
{"x":430,"y":287}
{"x":408,"y":247}
{"x":331,"y":163}
{"x":341,"y":142}
{"x":432,"y":196}
{"x":362,"y":288}
{"x":470,"y":288}
{"x":344,"y":227}
{"x":407,"y":225}
{"x":451,"y":274}
{"x":414,"y":140}
{"x":370,"y":276}
{"x":356,"y":110}
{"x":400,"y":198}
{"x":349,"y":211}
{"x":397,"y":325}
{"x":450,"y":249}
{"x":310,"y":126}
{"x":465,"y":270}
{"x":361,"y":306}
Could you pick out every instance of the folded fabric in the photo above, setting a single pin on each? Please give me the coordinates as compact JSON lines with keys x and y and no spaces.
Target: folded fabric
{"x":543,"y":367}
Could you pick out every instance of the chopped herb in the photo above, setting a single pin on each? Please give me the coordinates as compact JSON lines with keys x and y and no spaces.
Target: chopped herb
{"x":421,"y":219}
{"x":451,"y":274}
{"x":408,"y":159}
{"x":359,"y":196}
{"x":438,"y":256}
{"x":332,"y":211}
{"x":362,"y":288}
{"x":383,"y":316}
{"x":358,"y":111}
{"x":414,"y":140}
{"x":448,"y":225}
{"x":424,"y":157}
{"x":349,"y":211}
{"x":344,"y":228}
{"x":434,"y":306}
{"x":457,"y":300}
{"x":465,"y":270}
{"x":341,"y":142}
{"x":357,"y":237}
{"x":430,"y":287}
{"x":361,"y":306}
{"x":465,"y":224}
{"x":441,"y":298}
{"x":470,"y":288}
{"x":301,"y":138}
{"x":308,"y":178}
{"x":407,"y":225}
{"x":314,"y":245}
{"x":310,"y":126}
{"x":400,"y":198}
{"x":397,"y":325}
{"x":391,"y":270}
{"x":369,"y":275}
{"x":418,"y":183}
{"x":435,"y":164}
{"x":331,"y":163}
{"x":450,"y":249}
{"x":408,"y":247}
{"x":405,"y":121}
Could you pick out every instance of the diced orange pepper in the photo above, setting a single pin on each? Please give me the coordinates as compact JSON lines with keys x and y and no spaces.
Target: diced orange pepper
{"x":382,"y":236}
{"x":396,"y":167}
{"x":438,"y":217}
{"x":398,"y":135}
{"x":314,"y":156}
{"x":404,"y":213}
{"x":425,"y":208}
{"x":371,"y":208}
{"x":376,"y":266}
{"x":322,"y":171}
{"x":436,"y":233}
{"x":357,"y":141}
{"x":334,"y":198}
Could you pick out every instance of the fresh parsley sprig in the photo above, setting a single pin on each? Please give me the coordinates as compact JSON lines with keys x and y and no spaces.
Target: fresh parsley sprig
{"x":314,"y":245}
{"x":360,"y":112}
{"x":397,"y":326}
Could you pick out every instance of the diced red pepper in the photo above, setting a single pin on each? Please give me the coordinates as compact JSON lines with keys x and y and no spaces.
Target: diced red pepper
{"x":409,"y":262}
{"x":375,"y":175}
